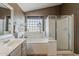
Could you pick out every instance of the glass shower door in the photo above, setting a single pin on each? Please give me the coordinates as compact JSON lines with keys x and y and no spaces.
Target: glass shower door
{"x":62,"y":33}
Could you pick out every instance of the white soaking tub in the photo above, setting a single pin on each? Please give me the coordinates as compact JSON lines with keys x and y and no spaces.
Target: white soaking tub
{"x":37,"y":47}
{"x":42,"y":47}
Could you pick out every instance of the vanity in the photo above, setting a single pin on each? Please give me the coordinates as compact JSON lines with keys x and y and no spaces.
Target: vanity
{"x":13,"y":47}
{"x":9,"y":46}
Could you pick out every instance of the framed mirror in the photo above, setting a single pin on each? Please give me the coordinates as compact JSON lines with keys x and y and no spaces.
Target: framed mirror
{"x":6,"y":19}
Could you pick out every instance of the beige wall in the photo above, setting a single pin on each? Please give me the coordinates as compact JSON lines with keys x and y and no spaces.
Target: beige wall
{"x":18,"y":14}
{"x":4,"y":12}
{"x":44,"y":12}
{"x":18,"y":17}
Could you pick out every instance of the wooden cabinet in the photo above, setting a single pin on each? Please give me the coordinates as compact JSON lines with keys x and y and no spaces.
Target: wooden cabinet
{"x":23,"y":47}
{"x":20,"y":50}
{"x":16,"y":52}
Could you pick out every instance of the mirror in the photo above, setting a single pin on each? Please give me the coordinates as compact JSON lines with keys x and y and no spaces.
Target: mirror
{"x":5,"y":20}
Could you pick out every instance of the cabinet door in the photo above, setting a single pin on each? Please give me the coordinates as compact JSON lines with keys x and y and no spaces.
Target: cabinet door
{"x":17,"y":51}
{"x":24,"y":48}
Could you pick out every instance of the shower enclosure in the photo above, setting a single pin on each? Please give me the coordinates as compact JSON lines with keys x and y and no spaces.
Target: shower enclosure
{"x":65,"y":32}
{"x":61,"y":28}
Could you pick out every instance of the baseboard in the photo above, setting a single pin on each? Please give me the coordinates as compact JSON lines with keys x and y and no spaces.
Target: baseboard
{"x":36,"y":54}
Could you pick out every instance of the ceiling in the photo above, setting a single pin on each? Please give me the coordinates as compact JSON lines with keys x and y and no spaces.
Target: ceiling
{"x":34,"y":6}
{"x":2,"y":5}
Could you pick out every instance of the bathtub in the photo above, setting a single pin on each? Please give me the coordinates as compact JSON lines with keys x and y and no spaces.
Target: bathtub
{"x":37,"y":40}
{"x":37,"y":47}
{"x":41,"y":46}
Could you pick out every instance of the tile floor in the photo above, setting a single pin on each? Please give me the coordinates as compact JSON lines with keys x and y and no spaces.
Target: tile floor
{"x":59,"y":53}
{"x":65,"y":53}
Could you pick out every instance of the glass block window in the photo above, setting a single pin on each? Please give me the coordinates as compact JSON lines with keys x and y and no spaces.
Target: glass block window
{"x":34,"y":24}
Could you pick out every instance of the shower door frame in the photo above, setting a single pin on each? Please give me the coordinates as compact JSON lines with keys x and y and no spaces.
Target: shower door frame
{"x":72,"y":42}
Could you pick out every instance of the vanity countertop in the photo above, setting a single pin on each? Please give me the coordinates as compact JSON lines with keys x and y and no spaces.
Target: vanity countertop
{"x":8,"y":47}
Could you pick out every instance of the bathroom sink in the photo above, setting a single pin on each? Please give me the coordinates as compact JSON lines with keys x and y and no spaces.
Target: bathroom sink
{"x":12,"y":43}
{"x":2,"y":42}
